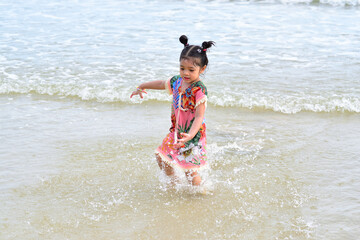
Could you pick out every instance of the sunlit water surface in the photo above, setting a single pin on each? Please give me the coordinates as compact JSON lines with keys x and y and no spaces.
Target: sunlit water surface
{"x":77,"y":155}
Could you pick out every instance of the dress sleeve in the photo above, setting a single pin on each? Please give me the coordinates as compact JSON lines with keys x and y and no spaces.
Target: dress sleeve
{"x":169,"y":84}
{"x":201,"y":96}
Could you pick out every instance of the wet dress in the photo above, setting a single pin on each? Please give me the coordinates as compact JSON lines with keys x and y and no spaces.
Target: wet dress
{"x":192,"y":156}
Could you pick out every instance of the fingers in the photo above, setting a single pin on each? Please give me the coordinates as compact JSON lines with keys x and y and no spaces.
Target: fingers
{"x":134,"y":93}
{"x":138,"y":93}
{"x":185,"y":137}
{"x":181,"y":142}
{"x":141,"y":94}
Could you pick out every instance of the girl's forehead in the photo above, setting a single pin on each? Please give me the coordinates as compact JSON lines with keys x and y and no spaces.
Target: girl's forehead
{"x":189,"y":62}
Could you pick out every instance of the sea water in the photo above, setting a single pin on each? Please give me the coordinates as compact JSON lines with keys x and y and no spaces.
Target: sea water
{"x":77,"y":154}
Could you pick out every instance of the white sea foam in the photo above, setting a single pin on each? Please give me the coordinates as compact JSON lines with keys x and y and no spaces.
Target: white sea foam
{"x":327,"y":2}
{"x":290,"y":103}
{"x":106,"y":92}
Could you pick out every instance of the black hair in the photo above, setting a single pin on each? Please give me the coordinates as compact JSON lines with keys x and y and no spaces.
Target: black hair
{"x":196,"y":53}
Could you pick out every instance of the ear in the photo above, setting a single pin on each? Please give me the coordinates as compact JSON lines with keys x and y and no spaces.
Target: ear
{"x":202,"y":69}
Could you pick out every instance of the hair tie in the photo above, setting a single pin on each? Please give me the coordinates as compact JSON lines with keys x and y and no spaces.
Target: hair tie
{"x":204,"y":49}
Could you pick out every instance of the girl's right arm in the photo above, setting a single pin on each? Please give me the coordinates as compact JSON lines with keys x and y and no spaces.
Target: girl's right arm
{"x":158,"y":84}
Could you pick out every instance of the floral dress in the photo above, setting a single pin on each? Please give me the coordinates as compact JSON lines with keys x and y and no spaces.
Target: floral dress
{"x":192,"y":156}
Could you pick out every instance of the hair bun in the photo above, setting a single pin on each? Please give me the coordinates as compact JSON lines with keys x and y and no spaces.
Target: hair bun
{"x":184,"y":40}
{"x":206,"y":45}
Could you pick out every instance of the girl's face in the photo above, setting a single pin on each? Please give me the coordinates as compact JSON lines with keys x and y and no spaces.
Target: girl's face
{"x":189,"y":71}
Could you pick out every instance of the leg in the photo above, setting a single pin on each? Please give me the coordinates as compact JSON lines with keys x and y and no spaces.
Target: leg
{"x":194,"y":177}
{"x":164,"y":166}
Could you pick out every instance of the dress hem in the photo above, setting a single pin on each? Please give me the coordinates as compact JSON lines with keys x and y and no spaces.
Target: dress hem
{"x":171,"y":164}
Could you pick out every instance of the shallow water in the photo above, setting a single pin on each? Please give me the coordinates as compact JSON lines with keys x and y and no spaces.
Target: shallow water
{"x":77,"y":155}
{"x":94,"y":175}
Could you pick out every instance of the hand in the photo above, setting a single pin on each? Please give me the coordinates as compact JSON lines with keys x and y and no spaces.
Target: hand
{"x":138,"y":92}
{"x":181,"y":142}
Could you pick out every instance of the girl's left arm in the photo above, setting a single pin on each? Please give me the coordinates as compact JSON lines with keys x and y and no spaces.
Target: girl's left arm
{"x":199,"y":117}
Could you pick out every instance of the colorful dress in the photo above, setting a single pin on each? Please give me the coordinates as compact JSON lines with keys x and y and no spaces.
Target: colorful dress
{"x":192,"y":156}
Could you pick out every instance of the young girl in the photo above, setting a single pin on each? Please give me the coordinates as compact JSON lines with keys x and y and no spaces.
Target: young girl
{"x":184,"y":147}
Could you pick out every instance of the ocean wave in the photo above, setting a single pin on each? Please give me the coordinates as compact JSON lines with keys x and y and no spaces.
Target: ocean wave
{"x":321,"y":2}
{"x":284,"y":103}
{"x":291,"y":104}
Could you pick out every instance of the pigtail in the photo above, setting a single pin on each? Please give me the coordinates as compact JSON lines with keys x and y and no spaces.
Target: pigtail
{"x":184,"y":40}
{"x":205,"y":45}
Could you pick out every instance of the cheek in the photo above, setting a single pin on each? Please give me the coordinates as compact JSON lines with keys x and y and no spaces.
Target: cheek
{"x":195,"y":73}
